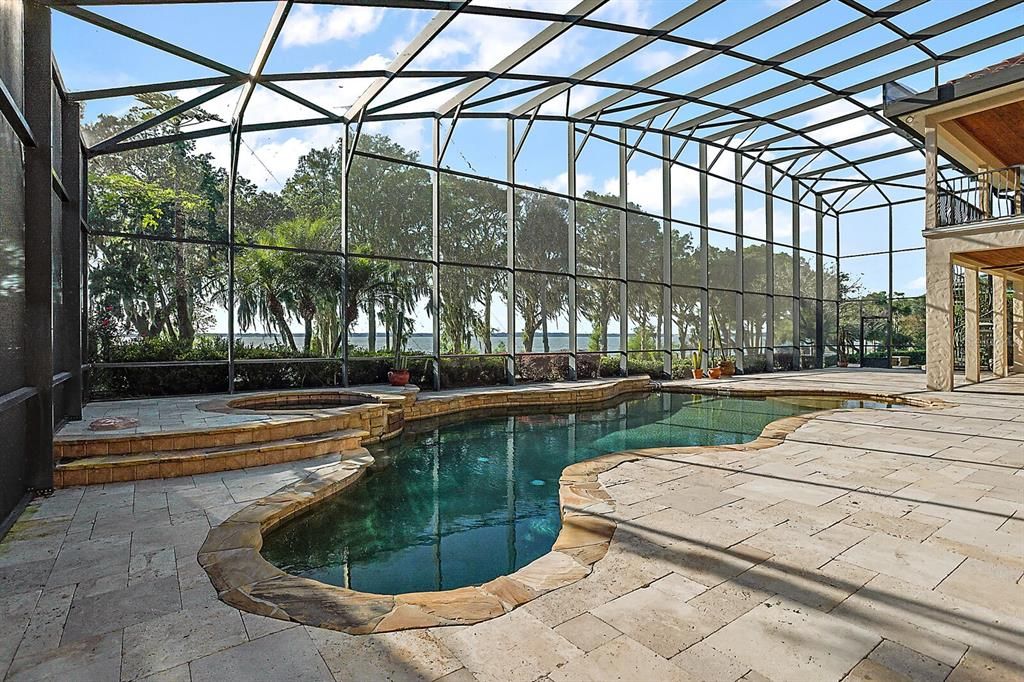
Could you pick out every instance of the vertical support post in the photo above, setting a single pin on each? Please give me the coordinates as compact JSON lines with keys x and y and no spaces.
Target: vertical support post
{"x":435,"y":251}
{"x":623,"y":270}
{"x":510,"y":254}
{"x":939,"y":275}
{"x":797,"y":331}
{"x":1018,"y":325}
{"x":235,"y":138}
{"x":985,"y":190}
{"x":740,"y":340}
{"x":83,"y":271}
{"x":931,"y":177}
{"x":939,"y":317}
{"x":571,"y":241}
{"x":345,"y":151}
{"x":1018,"y":194}
{"x":71,"y":257}
{"x":972,"y":327}
{"x":999,"y":365}
{"x":889,"y":322}
{"x":819,"y":283}
{"x":769,"y":226}
{"x":666,"y":250}
{"x":39,"y":223}
{"x":702,"y":177}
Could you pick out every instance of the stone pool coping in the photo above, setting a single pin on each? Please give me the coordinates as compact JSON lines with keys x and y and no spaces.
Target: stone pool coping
{"x":292,"y":432}
{"x":244,"y":579}
{"x":380,"y":413}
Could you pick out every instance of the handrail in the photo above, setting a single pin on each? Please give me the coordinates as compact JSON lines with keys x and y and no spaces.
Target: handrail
{"x":987,"y":195}
{"x":17,"y":397}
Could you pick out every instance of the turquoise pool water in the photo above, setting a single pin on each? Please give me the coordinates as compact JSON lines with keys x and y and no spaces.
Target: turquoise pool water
{"x":459,"y":503}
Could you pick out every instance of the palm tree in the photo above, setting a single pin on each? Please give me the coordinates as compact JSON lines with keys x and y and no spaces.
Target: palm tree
{"x":373,"y":284}
{"x":263,"y":294}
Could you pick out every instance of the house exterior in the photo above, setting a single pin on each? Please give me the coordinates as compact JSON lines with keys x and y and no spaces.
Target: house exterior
{"x":974,"y":211}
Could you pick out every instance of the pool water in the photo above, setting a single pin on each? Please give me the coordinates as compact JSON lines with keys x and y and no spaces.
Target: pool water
{"x":456,"y":504}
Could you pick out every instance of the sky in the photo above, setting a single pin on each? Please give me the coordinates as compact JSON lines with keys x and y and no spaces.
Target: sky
{"x":332,"y":37}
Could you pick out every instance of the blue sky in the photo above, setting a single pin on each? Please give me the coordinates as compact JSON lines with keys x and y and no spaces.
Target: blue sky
{"x":317,"y":38}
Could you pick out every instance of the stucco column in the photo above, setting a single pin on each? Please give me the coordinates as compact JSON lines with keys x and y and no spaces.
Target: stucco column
{"x":1018,"y":325}
{"x":999,"y":367}
{"x":972,"y":346}
{"x":939,"y":317}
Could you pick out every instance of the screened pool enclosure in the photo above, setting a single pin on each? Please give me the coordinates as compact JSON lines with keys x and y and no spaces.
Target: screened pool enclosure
{"x":251,"y":195}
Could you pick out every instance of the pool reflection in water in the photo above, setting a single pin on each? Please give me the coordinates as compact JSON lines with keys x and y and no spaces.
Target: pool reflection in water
{"x":461,"y":503}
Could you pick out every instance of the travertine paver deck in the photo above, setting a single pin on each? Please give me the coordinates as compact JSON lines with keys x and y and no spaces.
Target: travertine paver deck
{"x":177,"y":413}
{"x":869,"y":545}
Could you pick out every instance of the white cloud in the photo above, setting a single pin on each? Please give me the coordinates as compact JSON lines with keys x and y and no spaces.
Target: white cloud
{"x":629,"y":12}
{"x":685,"y":186}
{"x":847,"y":129}
{"x":641,"y":188}
{"x":307,"y":25}
{"x":479,"y":42}
{"x":655,"y":57}
{"x":584,"y":182}
{"x":913,"y":287}
{"x":443,"y":47}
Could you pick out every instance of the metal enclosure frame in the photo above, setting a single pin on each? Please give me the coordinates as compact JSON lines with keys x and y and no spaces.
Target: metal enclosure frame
{"x":822,"y":175}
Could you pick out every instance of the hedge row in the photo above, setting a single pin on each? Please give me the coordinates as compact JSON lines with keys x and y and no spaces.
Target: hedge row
{"x":106,"y":382}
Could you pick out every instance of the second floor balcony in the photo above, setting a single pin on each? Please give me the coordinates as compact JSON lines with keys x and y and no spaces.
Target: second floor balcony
{"x":988,"y":195}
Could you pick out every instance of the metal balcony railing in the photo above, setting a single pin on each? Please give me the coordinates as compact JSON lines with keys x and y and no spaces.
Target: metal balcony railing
{"x":988,"y":195}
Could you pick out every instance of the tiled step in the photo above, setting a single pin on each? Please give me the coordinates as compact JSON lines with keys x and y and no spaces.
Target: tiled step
{"x":242,"y":434}
{"x":166,"y":464}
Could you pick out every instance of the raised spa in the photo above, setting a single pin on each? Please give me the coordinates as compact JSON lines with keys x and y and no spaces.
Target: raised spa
{"x":460,"y":503}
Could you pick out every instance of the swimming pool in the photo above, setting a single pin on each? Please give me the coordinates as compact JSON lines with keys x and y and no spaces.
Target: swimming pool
{"x":458,"y":503}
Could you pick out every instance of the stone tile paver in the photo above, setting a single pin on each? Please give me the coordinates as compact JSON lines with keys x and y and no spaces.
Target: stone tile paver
{"x":620,"y":659}
{"x":659,"y":621}
{"x":118,"y":609}
{"x":97,"y":658}
{"x":784,"y":640}
{"x":909,"y":663}
{"x":587,"y":631}
{"x":913,"y":562}
{"x":289,"y":654}
{"x":516,"y":648}
{"x":162,"y":643}
{"x":397,"y":656}
{"x":871,"y":545}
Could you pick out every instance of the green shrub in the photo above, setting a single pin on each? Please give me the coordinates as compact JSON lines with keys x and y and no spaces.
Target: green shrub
{"x":609,"y":366}
{"x":653,"y":367}
{"x":682,"y":368}
{"x":472,"y":371}
{"x":542,"y":367}
{"x":785,"y":360}
{"x":755,"y":364}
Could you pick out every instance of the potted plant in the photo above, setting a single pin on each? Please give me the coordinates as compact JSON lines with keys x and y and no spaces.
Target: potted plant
{"x":398,"y":375}
{"x":698,"y":372}
{"x":715,"y":370}
{"x":728,"y":365}
{"x":842,"y":356}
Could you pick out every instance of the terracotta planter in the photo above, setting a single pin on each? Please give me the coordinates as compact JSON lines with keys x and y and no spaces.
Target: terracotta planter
{"x":398,"y":377}
{"x":728,"y":368}
{"x":843,"y":364}
{"x":698,"y":373}
{"x":715,"y":372}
